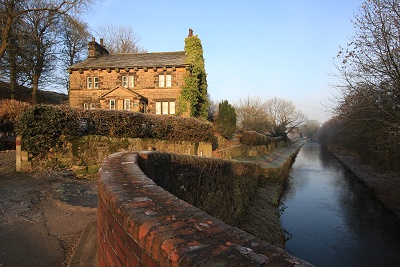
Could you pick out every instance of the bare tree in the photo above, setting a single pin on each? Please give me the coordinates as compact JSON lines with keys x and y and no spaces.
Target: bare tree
{"x":15,"y":18}
{"x":369,"y":68}
{"x":212,"y":109}
{"x":120,"y":39}
{"x":251,"y":114}
{"x":74,"y":36}
{"x":11,"y":11}
{"x":38,"y":46}
{"x":285,"y":115}
{"x":310,"y":128}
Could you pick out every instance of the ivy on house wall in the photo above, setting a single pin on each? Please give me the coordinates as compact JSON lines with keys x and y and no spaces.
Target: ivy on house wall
{"x":194,"y":92}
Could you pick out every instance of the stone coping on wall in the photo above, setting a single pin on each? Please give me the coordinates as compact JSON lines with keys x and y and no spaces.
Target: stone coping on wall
{"x":141,"y":224}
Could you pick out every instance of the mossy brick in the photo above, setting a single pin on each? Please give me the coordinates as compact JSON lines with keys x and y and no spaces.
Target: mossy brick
{"x":92,"y":169}
{"x":64,"y":162}
{"x":82,"y":171}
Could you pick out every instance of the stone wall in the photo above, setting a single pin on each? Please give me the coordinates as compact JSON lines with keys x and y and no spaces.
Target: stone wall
{"x":141,"y":224}
{"x":244,"y":150}
{"x":85,"y":154}
{"x":146,"y":85}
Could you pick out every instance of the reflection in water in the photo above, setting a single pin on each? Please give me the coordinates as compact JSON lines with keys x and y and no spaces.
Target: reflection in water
{"x":331,"y":217}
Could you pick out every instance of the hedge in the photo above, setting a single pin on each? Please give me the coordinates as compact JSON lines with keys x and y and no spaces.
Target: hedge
{"x":252,"y":138}
{"x":43,"y":127}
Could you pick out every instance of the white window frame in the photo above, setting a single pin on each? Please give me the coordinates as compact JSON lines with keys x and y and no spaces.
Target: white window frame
{"x":95,"y":82}
{"x":172,"y":107}
{"x":164,"y":80}
{"x":131,"y":81}
{"x":85,"y":105}
{"x":89,"y":82}
{"x":168,"y":80}
{"x":113,"y":104}
{"x":158,"y":107}
{"x":161,"y":80}
{"x":125,"y":81}
{"x":127,"y":104}
{"x":92,"y":105}
{"x":128,"y":81}
{"x":165,"y":107}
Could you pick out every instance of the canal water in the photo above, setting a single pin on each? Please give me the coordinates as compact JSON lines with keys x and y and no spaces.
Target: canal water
{"x":331,"y":219}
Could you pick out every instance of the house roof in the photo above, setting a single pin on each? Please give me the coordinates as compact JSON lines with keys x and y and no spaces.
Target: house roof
{"x":123,"y":60}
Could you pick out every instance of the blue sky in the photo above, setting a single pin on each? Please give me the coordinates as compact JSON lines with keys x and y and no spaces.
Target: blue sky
{"x":256,"y":48}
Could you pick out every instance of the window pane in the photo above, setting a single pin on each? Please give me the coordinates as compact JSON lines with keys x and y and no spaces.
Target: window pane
{"x":161,"y":80}
{"x":112,"y":104}
{"x":125,"y":81}
{"x":96,"y":82}
{"x":164,"y":107}
{"x":89,"y":82}
{"x":171,"y":107}
{"x":131,"y":81}
{"x":85,"y":106}
{"x":92,"y":105}
{"x":169,"y":81}
{"x":158,"y":107}
{"x":127,"y":104}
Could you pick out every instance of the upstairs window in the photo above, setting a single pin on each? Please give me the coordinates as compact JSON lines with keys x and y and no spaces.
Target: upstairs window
{"x":128,"y":81}
{"x":92,"y":105}
{"x":95,"y":82}
{"x":164,"y":80}
{"x":89,"y":82}
{"x":85,"y":105}
{"x":92,"y":82}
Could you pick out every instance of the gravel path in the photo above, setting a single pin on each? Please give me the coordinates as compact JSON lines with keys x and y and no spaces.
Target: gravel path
{"x":42,"y":215}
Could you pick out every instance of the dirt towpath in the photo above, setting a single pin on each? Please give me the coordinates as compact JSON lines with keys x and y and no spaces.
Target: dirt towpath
{"x":384,"y":185}
{"x":42,"y":215}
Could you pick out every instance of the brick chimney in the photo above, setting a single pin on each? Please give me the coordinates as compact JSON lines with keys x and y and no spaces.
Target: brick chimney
{"x":95,"y":49}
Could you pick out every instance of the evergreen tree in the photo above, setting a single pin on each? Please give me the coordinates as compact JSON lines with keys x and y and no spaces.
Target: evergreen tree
{"x":226,"y":120}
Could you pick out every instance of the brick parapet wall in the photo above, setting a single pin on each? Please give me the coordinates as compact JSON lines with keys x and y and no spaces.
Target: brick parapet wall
{"x":222,"y":188}
{"x":141,"y":224}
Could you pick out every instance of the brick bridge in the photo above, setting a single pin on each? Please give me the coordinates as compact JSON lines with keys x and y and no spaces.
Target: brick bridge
{"x":142,"y":224}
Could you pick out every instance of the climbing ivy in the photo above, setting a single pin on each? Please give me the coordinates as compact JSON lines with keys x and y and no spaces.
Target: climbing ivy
{"x":194,"y":92}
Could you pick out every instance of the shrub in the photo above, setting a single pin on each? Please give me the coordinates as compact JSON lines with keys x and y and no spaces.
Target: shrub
{"x":252,"y":138}
{"x":43,"y":127}
{"x":226,"y":120}
{"x":139,"y":125}
{"x":10,"y":112}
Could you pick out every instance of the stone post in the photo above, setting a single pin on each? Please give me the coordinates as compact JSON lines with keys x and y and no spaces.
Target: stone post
{"x":18,"y":162}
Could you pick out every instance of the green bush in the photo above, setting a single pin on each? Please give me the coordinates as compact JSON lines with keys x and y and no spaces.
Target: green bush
{"x":252,"y":138}
{"x":226,"y":120}
{"x":43,"y":127}
{"x":139,"y":125}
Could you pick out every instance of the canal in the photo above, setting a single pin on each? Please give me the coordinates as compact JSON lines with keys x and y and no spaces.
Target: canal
{"x":331,"y":219}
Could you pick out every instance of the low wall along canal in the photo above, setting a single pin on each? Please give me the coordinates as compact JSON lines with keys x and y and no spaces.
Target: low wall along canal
{"x":140,"y":223}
